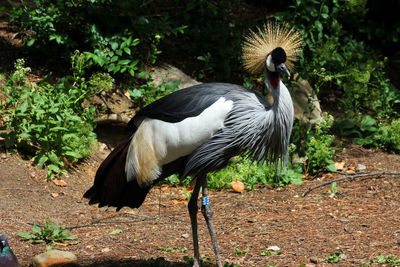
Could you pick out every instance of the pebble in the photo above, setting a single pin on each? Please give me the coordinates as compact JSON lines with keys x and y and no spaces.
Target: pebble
{"x":55,"y":258}
{"x":274,"y":248}
{"x":185,"y":235}
{"x":361,"y":167}
{"x":314,"y":260}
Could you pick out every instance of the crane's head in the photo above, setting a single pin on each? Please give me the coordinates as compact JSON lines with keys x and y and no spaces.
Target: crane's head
{"x":274,"y":47}
{"x":275,"y":61}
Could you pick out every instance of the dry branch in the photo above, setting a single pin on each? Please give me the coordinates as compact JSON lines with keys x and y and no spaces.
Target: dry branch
{"x":349,"y":177}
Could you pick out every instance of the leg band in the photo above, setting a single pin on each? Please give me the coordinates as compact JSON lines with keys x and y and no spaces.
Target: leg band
{"x":205,"y":201}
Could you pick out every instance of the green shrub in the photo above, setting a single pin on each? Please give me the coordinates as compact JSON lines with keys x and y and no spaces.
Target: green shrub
{"x":314,"y":145}
{"x":49,"y":234}
{"x":336,"y":59}
{"x":118,"y":35}
{"x":49,"y":120}
{"x":368,"y":132}
{"x":146,"y":93}
{"x":251,"y":174}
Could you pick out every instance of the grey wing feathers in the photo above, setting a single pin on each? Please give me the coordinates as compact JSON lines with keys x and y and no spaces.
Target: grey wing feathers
{"x":248,"y":128}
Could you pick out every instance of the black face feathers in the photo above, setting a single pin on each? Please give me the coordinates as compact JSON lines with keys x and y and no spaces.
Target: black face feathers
{"x":278,"y":56}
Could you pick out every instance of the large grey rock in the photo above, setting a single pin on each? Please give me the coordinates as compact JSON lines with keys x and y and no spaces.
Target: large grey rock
{"x":53,"y":258}
{"x":306,"y":105}
{"x":169,"y":73}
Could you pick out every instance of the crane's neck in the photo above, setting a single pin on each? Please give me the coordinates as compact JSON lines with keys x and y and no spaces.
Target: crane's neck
{"x":282,"y":111}
{"x":280,"y":93}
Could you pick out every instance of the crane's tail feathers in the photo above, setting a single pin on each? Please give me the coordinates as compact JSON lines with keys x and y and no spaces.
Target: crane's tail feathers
{"x":111,"y":187}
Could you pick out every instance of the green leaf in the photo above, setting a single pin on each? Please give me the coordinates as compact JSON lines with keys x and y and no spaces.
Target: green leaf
{"x":24,"y":106}
{"x":58,"y":128}
{"x":116,"y":68}
{"x":114,"y":45}
{"x":53,"y":168}
{"x":73,"y":154}
{"x":31,"y":42}
{"x":53,"y":157}
{"x":127,"y":50}
{"x":36,"y":229}
{"x":331,"y":167}
{"x":124,"y":62}
{"x":319,"y":25}
{"x":135,"y":93}
{"x":135,"y":42}
{"x":25,"y":235}
{"x":118,"y":231}
{"x":42,"y":160}
{"x":114,"y":58}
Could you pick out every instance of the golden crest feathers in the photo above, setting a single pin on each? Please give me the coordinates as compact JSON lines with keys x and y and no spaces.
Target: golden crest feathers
{"x":258,"y":45}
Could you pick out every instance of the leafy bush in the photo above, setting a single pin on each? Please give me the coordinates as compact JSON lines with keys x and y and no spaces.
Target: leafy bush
{"x":213,"y":36}
{"x":243,"y":169}
{"x":336,"y":59}
{"x":126,"y":37}
{"x":251,"y":173}
{"x":370,"y":133}
{"x":314,"y":145}
{"x":147,"y":92}
{"x":49,"y":119}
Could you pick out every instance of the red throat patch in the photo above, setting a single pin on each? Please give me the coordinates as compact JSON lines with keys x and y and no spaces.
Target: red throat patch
{"x":274,"y":81}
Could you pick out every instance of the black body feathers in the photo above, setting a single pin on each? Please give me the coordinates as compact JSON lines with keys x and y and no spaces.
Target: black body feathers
{"x":111,"y":187}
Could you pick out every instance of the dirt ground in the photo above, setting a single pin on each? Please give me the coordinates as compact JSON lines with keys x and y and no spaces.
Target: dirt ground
{"x":360,"y":221}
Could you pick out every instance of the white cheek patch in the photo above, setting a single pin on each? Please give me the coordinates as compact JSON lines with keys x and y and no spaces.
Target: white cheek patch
{"x":270,"y":65}
{"x":157,"y":142}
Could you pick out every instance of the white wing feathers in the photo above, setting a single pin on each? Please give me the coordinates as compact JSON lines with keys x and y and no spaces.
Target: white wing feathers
{"x":156,"y":142}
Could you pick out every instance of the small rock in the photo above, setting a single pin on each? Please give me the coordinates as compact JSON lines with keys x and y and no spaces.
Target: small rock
{"x":273,"y":248}
{"x":185,"y":235}
{"x":105,"y":250}
{"x":361,"y":167}
{"x":55,"y":258}
{"x":314,"y":260}
{"x":3,"y":156}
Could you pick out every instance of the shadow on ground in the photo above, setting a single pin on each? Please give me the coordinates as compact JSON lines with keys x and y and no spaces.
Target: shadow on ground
{"x":139,"y":263}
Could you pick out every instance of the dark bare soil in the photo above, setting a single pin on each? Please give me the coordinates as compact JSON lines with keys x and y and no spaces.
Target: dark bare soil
{"x":361,"y":220}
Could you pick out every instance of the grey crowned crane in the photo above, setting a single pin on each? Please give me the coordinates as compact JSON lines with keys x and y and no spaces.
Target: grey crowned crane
{"x":196,"y":130}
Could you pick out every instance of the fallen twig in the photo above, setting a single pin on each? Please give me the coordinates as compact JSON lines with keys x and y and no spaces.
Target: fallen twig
{"x":350,"y":177}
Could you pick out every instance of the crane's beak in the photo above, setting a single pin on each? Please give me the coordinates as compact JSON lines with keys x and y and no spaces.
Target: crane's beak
{"x":282,"y":68}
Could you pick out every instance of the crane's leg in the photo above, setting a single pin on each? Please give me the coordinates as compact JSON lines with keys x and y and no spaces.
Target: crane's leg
{"x":207,"y":213}
{"x":193,"y":209}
